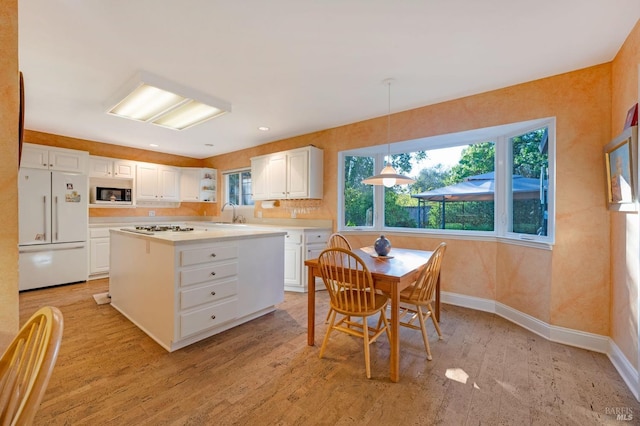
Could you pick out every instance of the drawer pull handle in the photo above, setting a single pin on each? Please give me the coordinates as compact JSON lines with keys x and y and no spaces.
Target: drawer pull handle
{"x":213,"y":293}
{"x":213,"y":317}
{"x":213,"y":273}
{"x":213,"y":255}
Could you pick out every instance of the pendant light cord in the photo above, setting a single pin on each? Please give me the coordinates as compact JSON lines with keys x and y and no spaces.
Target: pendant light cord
{"x":389,"y":123}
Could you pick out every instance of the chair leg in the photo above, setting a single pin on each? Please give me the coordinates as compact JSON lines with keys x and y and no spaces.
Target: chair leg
{"x":435,"y":322}
{"x":365,"y":329}
{"x":326,"y":320}
{"x":383,"y":317}
{"x":423,"y":329}
{"x":329,"y":330}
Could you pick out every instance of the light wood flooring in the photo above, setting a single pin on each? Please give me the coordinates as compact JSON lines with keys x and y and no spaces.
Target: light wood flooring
{"x":485,"y":371}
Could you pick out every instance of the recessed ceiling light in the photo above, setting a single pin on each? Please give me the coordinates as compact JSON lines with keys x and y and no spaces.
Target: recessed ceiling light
{"x":153,"y":145}
{"x":152,"y":99}
{"x":263,"y":128}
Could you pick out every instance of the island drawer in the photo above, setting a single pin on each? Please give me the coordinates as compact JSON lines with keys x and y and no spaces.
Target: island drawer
{"x":208,"y":254}
{"x":208,"y":317}
{"x":208,"y":294}
{"x":215,"y":271}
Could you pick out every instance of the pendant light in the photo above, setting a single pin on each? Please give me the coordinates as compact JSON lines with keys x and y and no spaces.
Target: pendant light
{"x":388,"y":176}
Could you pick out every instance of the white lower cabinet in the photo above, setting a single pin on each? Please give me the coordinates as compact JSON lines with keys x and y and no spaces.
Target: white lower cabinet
{"x":292,"y":261}
{"x":98,"y":253}
{"x":300,"y":246}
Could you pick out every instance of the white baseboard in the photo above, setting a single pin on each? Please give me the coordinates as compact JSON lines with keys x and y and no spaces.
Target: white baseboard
{"x":566,"y":336}
{"x":625,"y":369}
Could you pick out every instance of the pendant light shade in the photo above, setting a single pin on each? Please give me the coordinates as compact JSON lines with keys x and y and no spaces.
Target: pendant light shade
{"x":388,"y":176}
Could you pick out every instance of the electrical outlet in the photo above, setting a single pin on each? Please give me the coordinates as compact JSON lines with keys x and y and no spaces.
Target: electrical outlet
{"x":259,"y":213}
{"x":152,"y":213}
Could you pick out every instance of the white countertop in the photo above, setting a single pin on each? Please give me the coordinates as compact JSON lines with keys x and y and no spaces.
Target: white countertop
{"x":221,"y":233}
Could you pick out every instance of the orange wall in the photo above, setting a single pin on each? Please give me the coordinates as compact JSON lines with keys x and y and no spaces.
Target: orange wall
{"x":9,"y":102}
{"x":625,"y":253}
{"x":568,"y":286}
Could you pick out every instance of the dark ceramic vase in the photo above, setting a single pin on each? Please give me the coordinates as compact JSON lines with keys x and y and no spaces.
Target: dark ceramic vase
{"x":382,"y":246}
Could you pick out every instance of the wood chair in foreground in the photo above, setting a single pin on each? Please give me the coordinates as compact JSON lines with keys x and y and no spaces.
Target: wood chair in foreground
{"x":336,"y":240}
{"x":27,"y":364}
{"x":416,"y":300}
{"x":352,"y":295}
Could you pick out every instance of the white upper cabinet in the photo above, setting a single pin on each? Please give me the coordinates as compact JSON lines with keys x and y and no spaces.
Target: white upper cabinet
{"x":50,"y":158}
{"x":294,"y":174}
{"x":198,"y":185}
{"x":156,"y":182}
{"x":259,"y":168}
{"x":277,"y":176}
{"x":111,"y":168}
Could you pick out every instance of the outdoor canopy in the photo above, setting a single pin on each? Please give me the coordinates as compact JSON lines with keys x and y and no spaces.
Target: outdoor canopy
{"x":481,"y":188}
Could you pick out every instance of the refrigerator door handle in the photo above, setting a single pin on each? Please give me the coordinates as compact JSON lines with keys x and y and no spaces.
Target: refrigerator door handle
{"x":56,"y":213}
{"x":44,"y":218}
{"x":49,"y":247}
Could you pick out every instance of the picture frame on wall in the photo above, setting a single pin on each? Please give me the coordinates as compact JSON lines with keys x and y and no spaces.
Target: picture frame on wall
{"x":621,"y":163}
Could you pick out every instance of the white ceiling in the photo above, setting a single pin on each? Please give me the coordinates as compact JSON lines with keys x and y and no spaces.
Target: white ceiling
{"x":296,"y":66}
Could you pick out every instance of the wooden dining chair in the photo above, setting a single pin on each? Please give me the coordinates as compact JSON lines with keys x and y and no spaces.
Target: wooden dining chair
{"x":352,"y":295}
{"x":26,"y":366}
{"x":336,"y":240}
{"x":416,"y":300}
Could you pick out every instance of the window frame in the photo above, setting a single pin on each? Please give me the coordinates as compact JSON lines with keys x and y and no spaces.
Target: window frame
{"x":501,"y":136}
{"x":226,"y":186}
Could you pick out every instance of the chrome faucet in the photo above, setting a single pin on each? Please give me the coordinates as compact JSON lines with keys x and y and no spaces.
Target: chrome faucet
{"x":233,"y":206}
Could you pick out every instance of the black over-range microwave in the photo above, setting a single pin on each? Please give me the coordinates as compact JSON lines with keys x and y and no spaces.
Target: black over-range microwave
{"x":105,"y":195}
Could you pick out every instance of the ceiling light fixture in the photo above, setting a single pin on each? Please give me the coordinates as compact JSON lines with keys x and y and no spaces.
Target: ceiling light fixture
{"x":152,"y":99}
{"x":263,"y":128}
{"x":388,"y":176}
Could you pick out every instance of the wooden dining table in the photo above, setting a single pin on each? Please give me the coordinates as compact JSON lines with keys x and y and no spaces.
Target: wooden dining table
{"x":391,"y":274}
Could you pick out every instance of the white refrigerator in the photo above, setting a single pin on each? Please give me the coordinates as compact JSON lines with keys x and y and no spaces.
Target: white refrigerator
{"x":53,"y":221}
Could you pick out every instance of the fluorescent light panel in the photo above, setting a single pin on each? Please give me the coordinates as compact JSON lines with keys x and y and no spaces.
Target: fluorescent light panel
{"x":149,"y":103}
{"x":188,"y":114}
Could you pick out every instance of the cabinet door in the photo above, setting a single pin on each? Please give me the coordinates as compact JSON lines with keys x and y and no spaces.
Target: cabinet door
{"x":100,"y":167}
{"x":292,"y":264}
{"x":99,"y":255}
{"x":34,"y":157}
{"x":146,"y":182}
{"x":168,"y":183}
{"x":190,"y":185}
{"x":66,"y":161}
{"x":124,"y":169}
{"x":313,"y":252}
{"x":277,"y":176}
{"x":259,"y":178}
{"x":298,"y":174}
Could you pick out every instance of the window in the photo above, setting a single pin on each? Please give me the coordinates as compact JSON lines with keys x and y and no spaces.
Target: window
{"x":358,"y":196}
{"x":496,"y":181}
{"x":529,"y":182}
{"x":238,"y":187}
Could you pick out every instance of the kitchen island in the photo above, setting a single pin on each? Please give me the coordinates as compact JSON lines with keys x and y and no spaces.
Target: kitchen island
{"x":182,"y":287}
